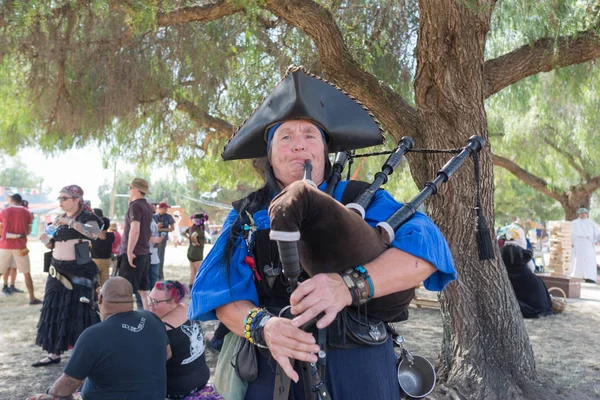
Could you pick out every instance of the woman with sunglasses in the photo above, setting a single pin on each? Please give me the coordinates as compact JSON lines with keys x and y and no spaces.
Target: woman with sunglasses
{"x":187,"y":371}
{"x":69,"y":299}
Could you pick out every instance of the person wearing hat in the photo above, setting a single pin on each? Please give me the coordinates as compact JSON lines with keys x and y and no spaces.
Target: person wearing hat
{"x":240,"y":282}
{"x":584,"y":233}
{"x":15,"y":225}
{"x":114,"y":229}
{"x":197,"y":238}
{"x":531,"y":292}
{"x":134,"y":252}
{"x":166,"y":224}
{"x":69,"y":298}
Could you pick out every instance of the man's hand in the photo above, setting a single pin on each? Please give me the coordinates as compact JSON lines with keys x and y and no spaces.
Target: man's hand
{"x":102,"y":235}
{"x":45,"y":239}
{"x":322,"y":293}
{"x":287,"y":342}
{"x":130,"y":258}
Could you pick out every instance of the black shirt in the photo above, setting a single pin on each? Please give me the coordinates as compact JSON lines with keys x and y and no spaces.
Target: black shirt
{"x":139,"y":210}
{"x":103,"y":248}
{"x":123,"y":357}
{"x":167,"y":221}
{"x":186,"y":369}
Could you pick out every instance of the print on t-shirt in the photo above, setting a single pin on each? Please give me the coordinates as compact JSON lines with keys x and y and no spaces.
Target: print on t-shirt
{"x":133,"y":329}
{"x":194,"y":332}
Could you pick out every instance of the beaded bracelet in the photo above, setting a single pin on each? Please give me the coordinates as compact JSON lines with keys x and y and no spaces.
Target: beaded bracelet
{"x":254,"y":325}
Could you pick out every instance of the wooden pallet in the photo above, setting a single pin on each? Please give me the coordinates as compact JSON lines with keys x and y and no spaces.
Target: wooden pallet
{"x":429,"y":303}
{"x":423,"y":302}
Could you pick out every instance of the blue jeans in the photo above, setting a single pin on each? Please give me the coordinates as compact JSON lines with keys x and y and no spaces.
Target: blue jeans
{"x":153,"y":278}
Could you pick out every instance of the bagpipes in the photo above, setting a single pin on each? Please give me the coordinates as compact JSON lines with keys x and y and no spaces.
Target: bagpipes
{"x":314,"y":230}
{"x":317,"y":234}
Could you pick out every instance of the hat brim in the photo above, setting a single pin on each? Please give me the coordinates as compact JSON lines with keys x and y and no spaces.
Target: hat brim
{"x":348,"y":124}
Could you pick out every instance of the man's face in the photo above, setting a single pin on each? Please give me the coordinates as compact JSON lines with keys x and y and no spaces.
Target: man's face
{"x":292,"y":144}
{"x":133,"y":192}
{"x":583,"y":215}
{"x":162,"y":211}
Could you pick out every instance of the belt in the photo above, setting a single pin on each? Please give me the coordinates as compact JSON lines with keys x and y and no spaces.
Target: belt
{"x":68,"y":282}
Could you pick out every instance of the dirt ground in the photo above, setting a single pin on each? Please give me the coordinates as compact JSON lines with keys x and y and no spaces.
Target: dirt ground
{"x":567,"y":346}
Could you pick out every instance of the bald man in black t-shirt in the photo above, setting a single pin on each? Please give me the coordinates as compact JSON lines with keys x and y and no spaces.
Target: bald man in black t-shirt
{"x":122,"y":357}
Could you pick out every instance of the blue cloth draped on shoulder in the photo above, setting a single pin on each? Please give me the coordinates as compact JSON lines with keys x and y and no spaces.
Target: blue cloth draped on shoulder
{"x":419,"y":237}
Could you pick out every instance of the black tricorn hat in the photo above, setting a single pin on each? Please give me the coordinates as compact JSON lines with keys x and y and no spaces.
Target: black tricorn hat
{"x":301,"y":95}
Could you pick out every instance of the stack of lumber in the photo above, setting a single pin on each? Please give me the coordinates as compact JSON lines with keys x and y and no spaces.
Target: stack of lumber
{"x":560,"y":247}
{"x":424,"y":298}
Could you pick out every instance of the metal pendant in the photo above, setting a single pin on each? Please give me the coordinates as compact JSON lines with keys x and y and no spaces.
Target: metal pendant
{"x":374,"y":332}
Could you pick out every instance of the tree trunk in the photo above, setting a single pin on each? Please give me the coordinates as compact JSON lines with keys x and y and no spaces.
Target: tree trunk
{"x":486,"y":353}
{"x":575,"y":200}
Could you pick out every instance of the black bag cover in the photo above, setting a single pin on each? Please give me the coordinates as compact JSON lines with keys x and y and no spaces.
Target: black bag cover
{"x":47,"y":260}
{"x":246,"y":362}
{"x":82,"y":253}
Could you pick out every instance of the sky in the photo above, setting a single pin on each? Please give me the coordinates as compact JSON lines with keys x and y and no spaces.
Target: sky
{"x":83,"y":167}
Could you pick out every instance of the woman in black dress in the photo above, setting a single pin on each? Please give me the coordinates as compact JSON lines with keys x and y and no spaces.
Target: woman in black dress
{"x":69,"y":300}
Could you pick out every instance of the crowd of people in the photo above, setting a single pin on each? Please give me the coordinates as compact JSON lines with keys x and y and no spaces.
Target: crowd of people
{"x":167,"y":347}
{"x":276,"y":334}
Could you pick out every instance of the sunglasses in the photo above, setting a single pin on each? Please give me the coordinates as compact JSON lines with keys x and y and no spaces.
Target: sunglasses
{"x":155,"y":302}
{"x":64,"y":198}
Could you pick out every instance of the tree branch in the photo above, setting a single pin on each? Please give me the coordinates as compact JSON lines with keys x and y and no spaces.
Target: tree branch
{"x":540,"y":56}
{"x":203,"y":13}
{"x":62,"y":48}
{"x":567,"y":155}
{"x":215,"y":128}
{"x":591,"y":185}
{"x":396,"y":115}
{"x":537,"y":183}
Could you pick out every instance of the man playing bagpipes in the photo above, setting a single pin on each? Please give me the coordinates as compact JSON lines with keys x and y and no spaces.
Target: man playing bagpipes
{"x":241,"y":281}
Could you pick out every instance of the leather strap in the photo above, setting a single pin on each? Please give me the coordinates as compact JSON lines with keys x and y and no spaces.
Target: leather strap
{"x":281,"y":389}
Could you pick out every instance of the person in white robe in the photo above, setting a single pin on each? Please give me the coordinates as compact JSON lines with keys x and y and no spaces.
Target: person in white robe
{"x":584,"y":233}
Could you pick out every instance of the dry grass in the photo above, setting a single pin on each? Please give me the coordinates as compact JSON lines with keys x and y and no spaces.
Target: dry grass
{"x":567,"y":346}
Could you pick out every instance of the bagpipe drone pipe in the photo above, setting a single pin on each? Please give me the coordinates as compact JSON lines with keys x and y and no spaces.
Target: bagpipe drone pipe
{"x":317,"y":234}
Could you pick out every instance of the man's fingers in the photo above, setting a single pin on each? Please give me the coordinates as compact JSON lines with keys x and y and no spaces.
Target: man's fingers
{"x":293,"y":348}
{"x":303,"y":289}
{"x":308,"y":315}
{"x":327,"y":319}
{"x":281,"y":330}
{"x":287,"y":367}
{"x":304,"y":304}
